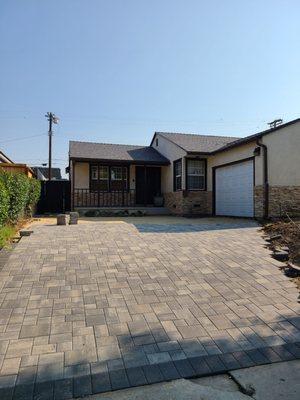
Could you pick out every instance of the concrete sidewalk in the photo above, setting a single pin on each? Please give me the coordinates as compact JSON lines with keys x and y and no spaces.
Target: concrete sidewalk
{"x":276,"y":382}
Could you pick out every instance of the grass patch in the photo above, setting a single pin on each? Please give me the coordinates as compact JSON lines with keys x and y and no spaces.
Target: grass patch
{"x":6,"y":233}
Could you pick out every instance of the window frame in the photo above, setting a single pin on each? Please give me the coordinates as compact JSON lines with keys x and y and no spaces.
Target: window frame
{"x":175,"y":162}
{"x":187,"y":159}
{"x":95,"y":182}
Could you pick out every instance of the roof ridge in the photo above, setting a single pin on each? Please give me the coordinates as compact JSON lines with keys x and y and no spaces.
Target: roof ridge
{"x":111,"y":144}
{"x":197,"y":134}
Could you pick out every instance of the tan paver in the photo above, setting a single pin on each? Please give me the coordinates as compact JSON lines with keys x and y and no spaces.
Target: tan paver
{"x":134,"y":294}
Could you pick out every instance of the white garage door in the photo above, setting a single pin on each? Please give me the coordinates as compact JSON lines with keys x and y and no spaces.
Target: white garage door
{"x":234,"y":190}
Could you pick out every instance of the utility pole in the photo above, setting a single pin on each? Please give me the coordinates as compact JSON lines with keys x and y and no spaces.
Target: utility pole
{"x":53,"y":119}
{"x":275,"y":123}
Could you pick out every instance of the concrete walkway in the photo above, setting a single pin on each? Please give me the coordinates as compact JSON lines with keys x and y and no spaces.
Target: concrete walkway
{"x":275,"y":381}
{"x":107,"y":305}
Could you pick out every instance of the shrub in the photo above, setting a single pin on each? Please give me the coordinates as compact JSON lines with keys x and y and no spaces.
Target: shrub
{"x":6,"y":233}
{"x":4,"y":203}
{"x":21,"y":192}
{"x":18,"y":189}
{"x":33,"y":195}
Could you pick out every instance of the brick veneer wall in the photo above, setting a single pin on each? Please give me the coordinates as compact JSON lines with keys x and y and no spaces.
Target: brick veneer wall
{"x":281,"y":199}
{"x":284,"y":199}
{"x":173,"y":201}
{"x":189,"y":203}
{"x":258,"y":201}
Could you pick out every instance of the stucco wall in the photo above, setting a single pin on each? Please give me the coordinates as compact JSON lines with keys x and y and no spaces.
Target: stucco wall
{"x":235,"y":154}
{"x":81,"y":175}
{"x":172,"y":152}
{"x":284,"y":156}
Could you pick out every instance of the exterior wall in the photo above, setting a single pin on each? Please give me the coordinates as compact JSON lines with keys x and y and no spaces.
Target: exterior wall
{"x":81,"y":175}
{"x":284,"y":156}
{"x":17,"y":168}
{"x":173,"y":201}
{"x":189,"y":203}
{"x":232,"y":155}
{"x":197,"y":203}
{"x":172,"y":152}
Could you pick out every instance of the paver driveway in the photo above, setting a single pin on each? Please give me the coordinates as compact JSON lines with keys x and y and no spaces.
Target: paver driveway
{"x":102,"y":306}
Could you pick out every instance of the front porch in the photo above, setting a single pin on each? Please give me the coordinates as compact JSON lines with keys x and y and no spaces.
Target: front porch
{"x":107,"y":185}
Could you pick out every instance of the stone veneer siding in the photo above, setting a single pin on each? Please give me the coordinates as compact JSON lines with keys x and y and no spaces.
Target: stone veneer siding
{"x":258,"y":201}
{"x":282,"y":199}
{"x":189,"y":203}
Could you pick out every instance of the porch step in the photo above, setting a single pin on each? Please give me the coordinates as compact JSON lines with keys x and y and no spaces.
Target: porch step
{"x":120,"y":211}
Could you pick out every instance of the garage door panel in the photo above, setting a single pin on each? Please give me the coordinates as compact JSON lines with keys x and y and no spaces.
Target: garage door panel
{"x":234,"y":190}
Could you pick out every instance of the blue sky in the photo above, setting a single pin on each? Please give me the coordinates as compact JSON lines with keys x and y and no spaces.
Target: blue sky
{"x":117,"y":70}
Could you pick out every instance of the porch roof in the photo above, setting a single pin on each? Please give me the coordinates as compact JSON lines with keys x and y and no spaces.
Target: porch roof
{"x":116,"y":152}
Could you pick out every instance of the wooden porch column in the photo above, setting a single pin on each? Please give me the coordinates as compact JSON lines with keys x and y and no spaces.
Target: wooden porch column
{"x":145,"y":185}
{"x":72,"y":184}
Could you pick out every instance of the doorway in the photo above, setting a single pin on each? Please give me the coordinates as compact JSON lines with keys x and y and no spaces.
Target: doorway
{"x":148,"y":184}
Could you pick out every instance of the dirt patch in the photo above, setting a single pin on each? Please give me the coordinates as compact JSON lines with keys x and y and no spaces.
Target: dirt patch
{"x":289,"y":232}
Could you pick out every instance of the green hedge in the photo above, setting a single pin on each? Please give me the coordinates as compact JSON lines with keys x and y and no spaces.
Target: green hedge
{"x":4,"y":203}
{"x":20,"y":194}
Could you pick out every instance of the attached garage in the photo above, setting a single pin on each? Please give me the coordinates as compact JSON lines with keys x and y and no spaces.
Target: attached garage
{"x":234,"y":189}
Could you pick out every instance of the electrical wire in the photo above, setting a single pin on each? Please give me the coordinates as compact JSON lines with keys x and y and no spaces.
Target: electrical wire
{"x":21,"y":138}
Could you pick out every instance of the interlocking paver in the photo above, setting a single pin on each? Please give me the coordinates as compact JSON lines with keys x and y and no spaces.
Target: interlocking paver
{"x":115,"y":305}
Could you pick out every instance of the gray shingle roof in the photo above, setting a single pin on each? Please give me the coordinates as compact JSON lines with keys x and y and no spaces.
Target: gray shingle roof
{"x":55,"y":172}
{"x":198,"y":143}
{"x":118,"y":152}
{"x":257,"y":135}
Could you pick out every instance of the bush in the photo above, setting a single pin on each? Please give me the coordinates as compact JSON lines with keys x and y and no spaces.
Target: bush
{"x":4,"y":203}
{"x":22,"y":192}
{"x":6,"y":233}
{"x":33,"y":195}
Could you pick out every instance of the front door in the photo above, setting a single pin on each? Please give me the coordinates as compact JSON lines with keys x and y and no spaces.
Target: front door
{"x":147,"y":181}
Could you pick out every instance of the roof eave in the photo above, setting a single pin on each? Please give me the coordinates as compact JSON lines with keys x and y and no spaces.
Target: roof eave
{"x":254,"y":137}
{"x":199,"y":153}
{"x":119,"y":161}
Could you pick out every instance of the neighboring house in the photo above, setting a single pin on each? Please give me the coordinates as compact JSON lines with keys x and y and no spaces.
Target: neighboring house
{"x":42,"y":173}
{"x":8,"y":165}
{"x":255,"y":176}
{"x":5,"y":159}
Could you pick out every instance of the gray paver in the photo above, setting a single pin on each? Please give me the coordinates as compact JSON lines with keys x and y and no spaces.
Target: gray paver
{"x":97,"y":300}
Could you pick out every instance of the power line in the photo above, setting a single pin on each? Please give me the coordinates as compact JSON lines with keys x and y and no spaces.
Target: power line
{"x":21,"y":138}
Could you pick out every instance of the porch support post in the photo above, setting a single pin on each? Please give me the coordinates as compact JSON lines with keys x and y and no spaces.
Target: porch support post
{"x":73,"y":184}
{"x":98,"y":186}
{"x":123,"y":185}
{"x":145,"y":186}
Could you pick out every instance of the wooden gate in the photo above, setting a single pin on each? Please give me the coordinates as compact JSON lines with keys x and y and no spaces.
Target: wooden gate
{"x":55,"y":197}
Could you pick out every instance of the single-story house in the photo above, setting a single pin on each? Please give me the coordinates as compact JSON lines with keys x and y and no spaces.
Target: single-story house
{"x":255,"y":176}
{"x":7,"y":164}
{"x":42,"y":173}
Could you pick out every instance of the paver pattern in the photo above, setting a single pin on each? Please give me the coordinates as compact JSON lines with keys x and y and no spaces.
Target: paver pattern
{"x":102,"y":306}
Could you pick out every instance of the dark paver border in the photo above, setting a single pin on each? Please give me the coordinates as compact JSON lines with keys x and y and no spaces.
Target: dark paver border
{"x":107,"y":380}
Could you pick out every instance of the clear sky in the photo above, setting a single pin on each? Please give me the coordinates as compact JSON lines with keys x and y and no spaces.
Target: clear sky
{"x":117,"y":70}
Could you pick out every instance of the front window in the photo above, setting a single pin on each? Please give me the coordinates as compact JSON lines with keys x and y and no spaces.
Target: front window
{"x":103,"y":177}
{"x":196,"y":174}
{"x":108,"y":178}
{"x":177,"y":175}
{"x":118,"y":178}
{"x":94,"y":172}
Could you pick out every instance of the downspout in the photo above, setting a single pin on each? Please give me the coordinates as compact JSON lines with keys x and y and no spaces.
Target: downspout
{"x":265,"y":177}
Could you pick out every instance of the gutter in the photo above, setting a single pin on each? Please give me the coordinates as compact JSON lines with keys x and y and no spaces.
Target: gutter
{"x":265,"y":176}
